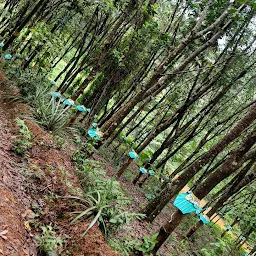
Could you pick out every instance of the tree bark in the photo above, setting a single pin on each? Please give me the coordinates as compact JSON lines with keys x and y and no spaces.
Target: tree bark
{"x":23,"y":24}
{"x":156,"y":205}
{"x":237,"y":184}
{"x":233,"y":162}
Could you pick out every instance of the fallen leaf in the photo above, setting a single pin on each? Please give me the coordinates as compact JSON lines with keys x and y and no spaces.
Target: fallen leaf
{"x":27,"y":225}
{"x":3,"y":233}
{"x":26,"y":252}
{"x":29,"y":214}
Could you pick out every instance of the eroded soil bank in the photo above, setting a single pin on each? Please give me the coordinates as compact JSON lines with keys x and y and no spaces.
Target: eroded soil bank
{"x":29,"y":185}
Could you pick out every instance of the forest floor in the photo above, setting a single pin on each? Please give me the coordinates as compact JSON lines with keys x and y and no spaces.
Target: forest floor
{"x":28,"y":185}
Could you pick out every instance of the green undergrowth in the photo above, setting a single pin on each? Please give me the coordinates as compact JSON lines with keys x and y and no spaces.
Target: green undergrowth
{"x":205,"y":242}
{"x":105,"y":202}
{"x":48,"y":241}
{"x":34,"y":90}
{"x":24,"y":142}
{"x":128,"y":246}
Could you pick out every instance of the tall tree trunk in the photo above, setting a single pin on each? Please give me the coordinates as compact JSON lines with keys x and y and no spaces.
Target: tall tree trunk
{"x":238,"y":183}
{"x":156,"y":205}
{"x":233,"y":162}
{"x":156,"y":83}
{"x":24,"y":23}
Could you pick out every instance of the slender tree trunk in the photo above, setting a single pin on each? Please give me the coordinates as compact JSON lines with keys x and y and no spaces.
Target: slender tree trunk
{"x":23,"y":24}
{"x":236,"y":220}
{"x":156,"y":205}
{"x":156,"y":83}
{"x":237,"y":184}
{"x":253,"y":251}
{"x":232,"y":163}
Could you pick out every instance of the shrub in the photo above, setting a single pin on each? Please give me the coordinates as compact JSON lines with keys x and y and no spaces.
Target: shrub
{"x":50,"y":113}
{"x":129,"y":246}
{"x":48,"y":241}
{"x":105,"y":202}
{"x":21,"y":145}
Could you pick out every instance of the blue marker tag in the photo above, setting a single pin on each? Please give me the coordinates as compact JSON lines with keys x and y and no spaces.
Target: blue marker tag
{"x":8,"y":56}
{"x":151,"y":172}
{"x":133,"y":155}
{"x":228,"y":228}
{"x":143,"y":170}
{"x":93,"y":134}
{"x":69,"y":102}
{"x":81,"y":108}
{"x":204,"y":218}
{"x":187,"y":203}
{"x":55,"y":94}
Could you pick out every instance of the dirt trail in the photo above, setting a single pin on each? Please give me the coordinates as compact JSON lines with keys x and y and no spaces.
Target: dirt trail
{"x":25,"y":191}
{"x":13,"y":200}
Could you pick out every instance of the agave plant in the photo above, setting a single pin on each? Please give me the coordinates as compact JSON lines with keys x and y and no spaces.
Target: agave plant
{"x":52,"y":115}
{"x":101,"y":208}
{"x":95,"y":211}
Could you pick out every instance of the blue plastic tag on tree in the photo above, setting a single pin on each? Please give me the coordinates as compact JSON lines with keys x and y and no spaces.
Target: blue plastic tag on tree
{"x":243,"y":238}
{"x":133,"y":155}
{"x":150,"y":196}
{"x":151,"y":172}
{"x":228,"y":228}
{"x":198,"y":211}
{"x":81,"y":108}
{"x":52,"y":82}
{"x":69,"y":102}
{"x":27,"y":58}
{"x":187,"y":203}
{"x":1,"y":44}
{"x":95,"y":117}
{"x":143,"y":170}
{"x":8,"y":56}
{"x":94,"y":125}
{"x":204,"y":218}
{"x":55,"y":94}
{"x":88,"y":110}
{"x":95,"y":133}
{"x":92,"y":134}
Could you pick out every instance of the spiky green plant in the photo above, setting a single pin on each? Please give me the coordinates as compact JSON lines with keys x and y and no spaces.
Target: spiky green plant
{"x":50,"y":113}
{"x":101,"y":207}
